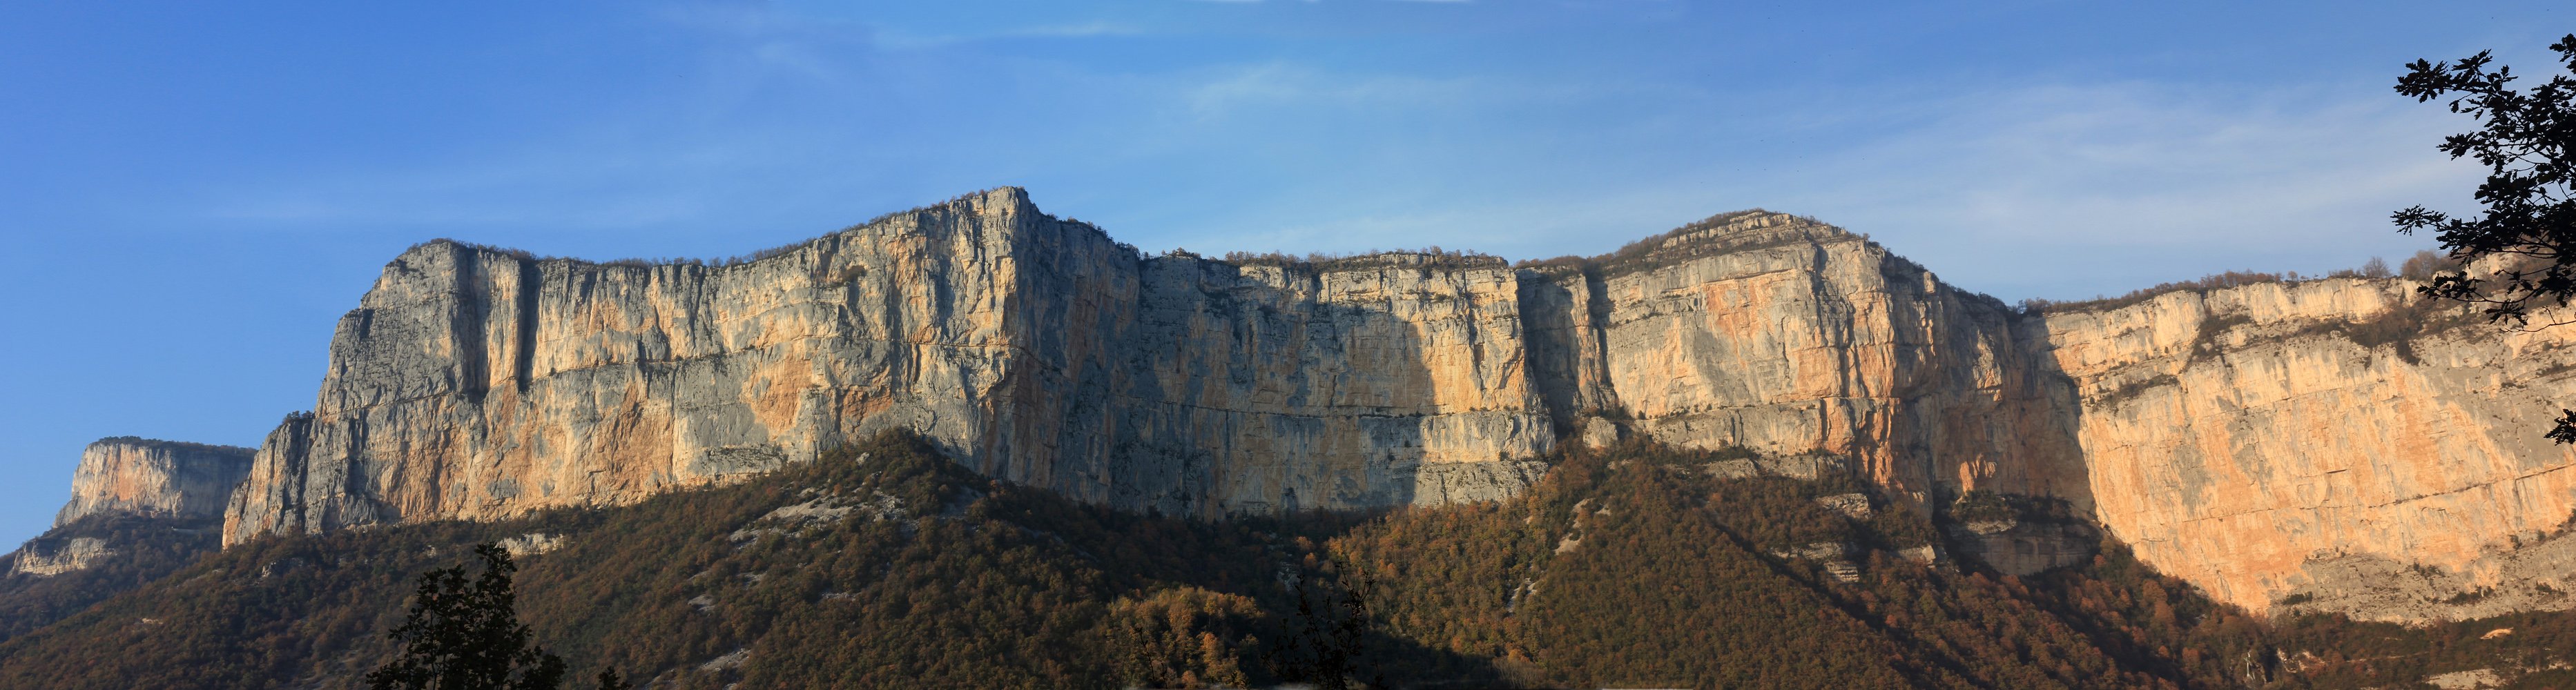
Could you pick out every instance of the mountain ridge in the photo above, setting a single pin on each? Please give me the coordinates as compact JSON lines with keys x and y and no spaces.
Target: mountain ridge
{"x":480,"y":383}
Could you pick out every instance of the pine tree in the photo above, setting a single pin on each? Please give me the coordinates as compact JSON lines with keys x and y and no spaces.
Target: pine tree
{"x":465,"y":635}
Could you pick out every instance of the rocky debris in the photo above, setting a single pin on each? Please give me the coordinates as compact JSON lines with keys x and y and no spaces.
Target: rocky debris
{"x":1600,"y":433}
{"x":1805,"y":467}
{"x":1854,"y":506}
{"x":2025,"y":546}
{"x":2466,"y":680}
{"x":1836,"y":557}
{"x":1926,"y":554}
{"x":532,"y":543}
{"x":1819,"y":551}
{"x":280,"y":567}
{"x":730,"y":661}
{"x":819,"y":512}
{"x":2371,"y":586}
{"x":134,"y":476}
{"x":46,"y":560}
{"x":1527,"y":590}
{"x":823,"y":511}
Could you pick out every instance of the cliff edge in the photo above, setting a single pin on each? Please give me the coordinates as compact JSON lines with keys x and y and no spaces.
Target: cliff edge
{"x":2282,"y":444}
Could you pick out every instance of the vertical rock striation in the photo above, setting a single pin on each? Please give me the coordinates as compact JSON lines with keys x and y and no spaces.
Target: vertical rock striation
{"x":478,"y":383}
{"x":1779,"y":334}
{"x":2267,"y":440}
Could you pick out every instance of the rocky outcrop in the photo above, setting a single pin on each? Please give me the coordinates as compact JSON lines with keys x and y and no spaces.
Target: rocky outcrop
{"x":2269,"y":442}
{"x":135,"y":476}
{"x":43,"y":558}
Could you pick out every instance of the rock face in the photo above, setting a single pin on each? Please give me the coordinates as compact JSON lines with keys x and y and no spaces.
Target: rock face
{"x":2263,"y":441}
{"x":47,"y":560}
{"x":1782,"y":335}
{"x":2327,"y":440}
{"x":154,"y":478}
{"x":477,"y":383}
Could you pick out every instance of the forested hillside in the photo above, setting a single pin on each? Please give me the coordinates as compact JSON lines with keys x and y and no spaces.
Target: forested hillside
{"x":883,"y":565}
{"x":133,"y":551}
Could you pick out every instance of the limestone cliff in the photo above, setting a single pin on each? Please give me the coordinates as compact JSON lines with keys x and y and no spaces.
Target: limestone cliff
{"x":154,"y":478}
{"x":476,"y":383}
{"x":2331,"y":441}
{"x":140,"y":508}
{"x":2283,"y":442}
{"x":73,"y":554}
{"x":1783,"y":335}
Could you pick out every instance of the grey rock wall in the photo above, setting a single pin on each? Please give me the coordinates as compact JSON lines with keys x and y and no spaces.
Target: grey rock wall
{"x":154,"y":478}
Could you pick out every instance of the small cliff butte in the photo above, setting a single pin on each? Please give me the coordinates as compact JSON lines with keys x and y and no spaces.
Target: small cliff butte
{"x":2289,"y":442}
{"x":43,"y":559}
{"x":127,"y":475}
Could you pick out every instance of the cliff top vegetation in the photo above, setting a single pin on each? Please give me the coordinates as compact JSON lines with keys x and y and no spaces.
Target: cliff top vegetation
{"x":1724,"y":233}
{"x":1432,"y":257}
{"x":1019,"y":196}
{"x":2422,"y":266}
{"x":182,"y":445}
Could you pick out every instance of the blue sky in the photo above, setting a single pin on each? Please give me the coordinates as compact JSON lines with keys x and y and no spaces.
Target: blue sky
{"x":193,"y":192}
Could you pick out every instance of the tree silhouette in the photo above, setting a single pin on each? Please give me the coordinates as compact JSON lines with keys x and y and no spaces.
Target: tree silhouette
{"x":465,"y":635}
{"x":1329,"y":647}
{"x":2527,"y":235}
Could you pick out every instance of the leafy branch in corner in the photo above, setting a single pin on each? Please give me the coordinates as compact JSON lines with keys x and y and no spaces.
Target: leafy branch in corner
{"x":2525,"y":242}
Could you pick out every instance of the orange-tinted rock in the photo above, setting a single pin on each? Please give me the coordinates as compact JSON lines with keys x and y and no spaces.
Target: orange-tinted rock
{"x":154,"y":478}
{"x":479,"y":383}
{"x":2260,"y":441}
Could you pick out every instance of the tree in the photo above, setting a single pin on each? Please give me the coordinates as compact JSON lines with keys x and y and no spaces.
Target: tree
{"x":465,"y":635}
{"x":2525,"y":242}
{"x":1329,"y":648}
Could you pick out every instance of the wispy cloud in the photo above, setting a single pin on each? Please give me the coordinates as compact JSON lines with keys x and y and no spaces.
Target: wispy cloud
{"x":2139,"y":180}
{"x":896,"y":39}
{"x":2042,"y":190}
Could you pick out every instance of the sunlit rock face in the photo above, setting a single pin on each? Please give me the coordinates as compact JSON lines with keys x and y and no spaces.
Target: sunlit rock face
{"x":2322,"y":439}
{"x":1779,"y":334}
{"x":2292,"y":442}
{"x":478,"y":383}
{"x":154,"y":478}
